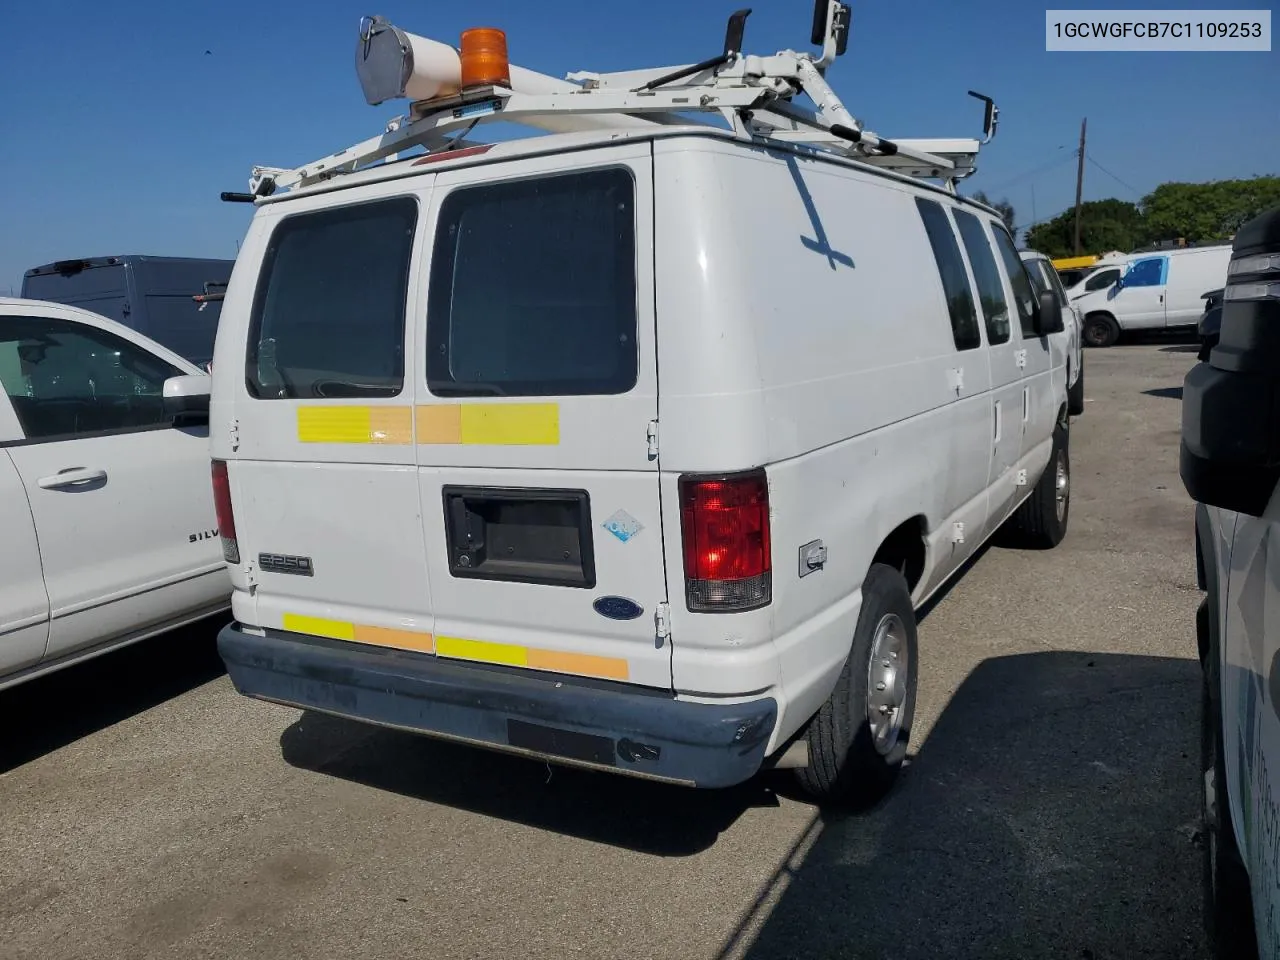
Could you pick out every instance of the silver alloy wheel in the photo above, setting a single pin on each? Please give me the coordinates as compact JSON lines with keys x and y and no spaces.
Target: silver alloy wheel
{"x":1061,"y":485}
{"x":887,"y":675}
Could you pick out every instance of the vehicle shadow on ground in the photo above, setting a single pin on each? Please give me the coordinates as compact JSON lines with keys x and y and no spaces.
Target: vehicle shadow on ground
{"x":1180,"y":340}
{"x":39,"y":716}
{"x":1051,"y":813}
{"x":1169,"y":393}
{"x":620,"y":811}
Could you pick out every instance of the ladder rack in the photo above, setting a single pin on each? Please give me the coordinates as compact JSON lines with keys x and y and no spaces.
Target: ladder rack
{"x":753,"y":95}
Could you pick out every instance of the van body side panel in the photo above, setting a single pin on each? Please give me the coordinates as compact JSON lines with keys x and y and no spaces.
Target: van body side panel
{"x":1191,"y":274}
{"x":324,"y":483}
{"x":792,"y":350}
{"x":561,"y":453}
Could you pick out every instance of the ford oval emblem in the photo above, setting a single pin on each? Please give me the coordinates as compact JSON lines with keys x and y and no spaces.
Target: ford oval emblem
{"x":618,"y":608}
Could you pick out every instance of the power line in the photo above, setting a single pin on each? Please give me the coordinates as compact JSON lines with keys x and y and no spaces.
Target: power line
{"x":1056,"y":161}
{"x":1134,"y":190}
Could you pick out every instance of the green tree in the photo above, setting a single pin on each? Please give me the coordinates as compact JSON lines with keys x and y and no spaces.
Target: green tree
{"x":1104,"y":225}
{"x":1003,"y":207}
{"x":1206,"y":212}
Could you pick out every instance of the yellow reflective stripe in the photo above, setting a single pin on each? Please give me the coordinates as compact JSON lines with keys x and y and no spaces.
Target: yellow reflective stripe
{"x":555,"y":661}
{"x":579,"y":664}
{"x":319,"y":627}
{"x":399,"y":639}
{"x":440,"y":423}
{"x":478,"y":424}
{"x":490,"y":424}
{"x":482,"y":651}
{"x":461,"y":648}
{"x":327,"y":424}
{"x":533,"y":424}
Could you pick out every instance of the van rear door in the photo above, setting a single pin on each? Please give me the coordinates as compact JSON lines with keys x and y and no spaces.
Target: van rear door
{"x":322,"y":469}
{"x":536,"y":417}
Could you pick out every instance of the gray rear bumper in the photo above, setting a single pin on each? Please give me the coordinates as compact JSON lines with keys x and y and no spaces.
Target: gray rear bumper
{"x":598,"y":724}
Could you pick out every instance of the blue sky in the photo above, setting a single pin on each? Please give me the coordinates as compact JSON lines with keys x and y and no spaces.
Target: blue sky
{"x":119,"y":132}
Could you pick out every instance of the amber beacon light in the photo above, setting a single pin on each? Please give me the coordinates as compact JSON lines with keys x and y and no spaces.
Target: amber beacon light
{"x":484,"y":58}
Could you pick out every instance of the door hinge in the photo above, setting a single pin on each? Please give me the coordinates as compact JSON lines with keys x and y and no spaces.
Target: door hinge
{"x":1020,"y":358}
{"x":651,"y":434}
{"x":662,"y":623}
{"x":955,"y":379}
{"x":233,"y":434}
{"x":957,"y":532}
{"x":1021,"y":479}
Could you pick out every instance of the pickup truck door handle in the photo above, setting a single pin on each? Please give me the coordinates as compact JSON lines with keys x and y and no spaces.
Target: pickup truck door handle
{"x":71,"y":477}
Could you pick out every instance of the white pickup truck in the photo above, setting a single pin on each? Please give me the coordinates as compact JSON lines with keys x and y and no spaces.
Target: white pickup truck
{"x":106,"y":506}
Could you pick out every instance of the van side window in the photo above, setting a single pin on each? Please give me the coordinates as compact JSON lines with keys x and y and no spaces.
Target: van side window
{"x":995,"y":310}
{"x":1146,"y":273}
{"x":329,"y":312}
{"x":68,"y":380}
{"x":1023,"y":295}
{"x":533,"y":288}
{"x":1102,"y":279}
{"x":955,"y":283}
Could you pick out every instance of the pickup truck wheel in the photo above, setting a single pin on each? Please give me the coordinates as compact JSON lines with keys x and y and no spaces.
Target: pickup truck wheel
{"x":1075,"y":395}
{"x":1100,"y":330}
{"x":858,"y":738}
{"x":1228,"y":907}
{"x":1040,"y":521}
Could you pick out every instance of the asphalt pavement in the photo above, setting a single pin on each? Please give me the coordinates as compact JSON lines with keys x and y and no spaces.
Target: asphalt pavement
{"x":1049,"y":808}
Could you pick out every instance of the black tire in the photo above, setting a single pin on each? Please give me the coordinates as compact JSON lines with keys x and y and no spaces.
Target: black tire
{"x":1075,"y":395}
{"x":1037,"y":523}
{"x":1228,"y":904}
{"x":1100,"y":330}
{"x":845,"y":766}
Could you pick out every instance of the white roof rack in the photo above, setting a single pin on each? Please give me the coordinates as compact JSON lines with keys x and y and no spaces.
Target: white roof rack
{"x":755,"y":95}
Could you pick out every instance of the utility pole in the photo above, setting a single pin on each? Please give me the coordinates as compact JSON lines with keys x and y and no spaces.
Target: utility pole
{"x":1080,"y":183}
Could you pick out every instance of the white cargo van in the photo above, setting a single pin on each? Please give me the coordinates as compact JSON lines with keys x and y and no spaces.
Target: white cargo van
{"x":1161,"y":290}
{"x":635,"y":447}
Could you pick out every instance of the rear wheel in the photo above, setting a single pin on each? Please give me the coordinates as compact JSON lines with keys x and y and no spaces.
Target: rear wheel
{"x":1041,"y":520}
{"x":1228,"y":905}
{"x":858,"y":738}
{"x":1100,"y":330}
{"x":1075,"y":395}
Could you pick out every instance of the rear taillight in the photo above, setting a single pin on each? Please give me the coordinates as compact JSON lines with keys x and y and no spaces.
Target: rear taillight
{"x":725,"y":525}
{"x":226,"y":516}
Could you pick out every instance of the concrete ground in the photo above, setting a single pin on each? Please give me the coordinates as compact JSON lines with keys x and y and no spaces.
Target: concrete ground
{"x":1049,"y":808}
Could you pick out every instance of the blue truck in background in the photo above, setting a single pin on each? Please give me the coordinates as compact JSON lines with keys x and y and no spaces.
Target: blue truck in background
{"x":173,"y":300}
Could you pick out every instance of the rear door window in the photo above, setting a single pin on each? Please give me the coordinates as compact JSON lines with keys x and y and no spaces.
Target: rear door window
{"x":329,"y":312}
{"x":955,"y":282}
{"x":533,"y":288}
{"x":995,"y":309}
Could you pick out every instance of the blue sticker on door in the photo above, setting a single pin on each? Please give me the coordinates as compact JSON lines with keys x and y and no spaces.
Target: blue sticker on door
{"x":623,"y":525}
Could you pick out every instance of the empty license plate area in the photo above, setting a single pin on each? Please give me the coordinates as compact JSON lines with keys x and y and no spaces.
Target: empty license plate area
{"x":526,"y":535}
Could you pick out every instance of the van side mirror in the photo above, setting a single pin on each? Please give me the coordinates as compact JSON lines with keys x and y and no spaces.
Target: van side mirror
{"x":186,"y":399}
{"x":1048,"y":314}
{"x":1230,"y":450}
